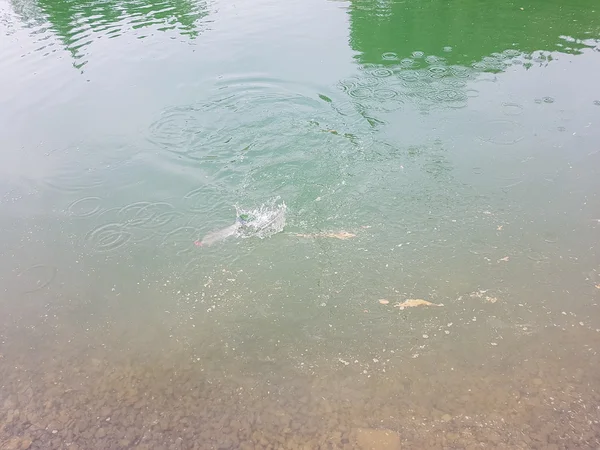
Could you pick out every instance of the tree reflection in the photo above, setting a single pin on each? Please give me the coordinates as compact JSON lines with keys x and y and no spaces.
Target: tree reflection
{"x":77,"y":22}
{"x":467,"y":31}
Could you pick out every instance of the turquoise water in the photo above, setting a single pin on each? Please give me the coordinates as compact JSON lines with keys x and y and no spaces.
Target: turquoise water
{"x":430,"y":151}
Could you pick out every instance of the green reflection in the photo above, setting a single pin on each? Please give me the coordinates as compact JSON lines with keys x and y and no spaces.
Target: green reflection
{"x":424,"y":54}
{"x":77,"y":23}
{"x":467,"y":31}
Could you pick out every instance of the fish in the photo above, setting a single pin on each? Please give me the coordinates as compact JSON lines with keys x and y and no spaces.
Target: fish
{"x":343,"y":235}
{"x":413,"y":302}
{"x":219,"y":235}
{"x":261,"y":222}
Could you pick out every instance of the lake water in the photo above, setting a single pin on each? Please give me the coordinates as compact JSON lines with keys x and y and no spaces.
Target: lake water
{"x":433,"y":151}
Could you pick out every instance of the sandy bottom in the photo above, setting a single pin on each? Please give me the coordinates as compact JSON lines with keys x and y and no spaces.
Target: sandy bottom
{"x":451,"y":389}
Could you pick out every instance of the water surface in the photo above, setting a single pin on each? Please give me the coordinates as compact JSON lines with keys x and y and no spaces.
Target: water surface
{"x":453,"y":146}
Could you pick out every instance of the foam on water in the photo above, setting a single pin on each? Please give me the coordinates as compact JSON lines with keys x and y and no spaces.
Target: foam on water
{"x":264,"y":221}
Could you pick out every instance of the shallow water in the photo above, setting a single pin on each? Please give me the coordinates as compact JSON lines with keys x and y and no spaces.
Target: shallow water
{"x":424,"y":151}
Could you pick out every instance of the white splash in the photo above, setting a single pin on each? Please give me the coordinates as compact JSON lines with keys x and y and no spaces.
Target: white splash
{"x":262,"y":222}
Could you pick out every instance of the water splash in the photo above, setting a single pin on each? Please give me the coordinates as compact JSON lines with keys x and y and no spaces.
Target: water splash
{"x":262,"y":222}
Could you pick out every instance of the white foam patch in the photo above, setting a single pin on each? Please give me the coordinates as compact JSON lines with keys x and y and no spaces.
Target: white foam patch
{"x":264,"y":221}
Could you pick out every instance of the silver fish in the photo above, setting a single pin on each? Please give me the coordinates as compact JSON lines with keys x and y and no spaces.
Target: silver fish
{"x":219,"y":235}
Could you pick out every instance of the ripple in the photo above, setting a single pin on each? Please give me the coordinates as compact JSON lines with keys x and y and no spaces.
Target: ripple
{"x":381,"y":72}
{"x":537,"y":256}
{"x":368,"y":66}
{"x":548,"y":100}
{"x":176,"y":127}
{"x":389,"y":56}
{"x":156,"y":215}
{"x":512,"y":109}
{"x":361,"y":93}
{"x":408,"y":75}
{"x":108,"y":237}
{"x":418,"y":54}
{"x":407,"y":62}
{"x":419,"y":90}
{"x":90,"y":166}
{"x":461,"y":71}
{"x":385,"y":94}
{"x":432,"y":59}
{"x":36,"y":278}
{"x":84,"y":207}
{"x":239,"y":116}
{"x":386,"y":100}
{"x":136,"y":222}
{"x":456,"y":83}
{"x":192,"y":198}
{"x":371,"y":81}
{"x":438,"y":71}
{"x":502,"y":132}
{"x":450,"y":95}
{"x":128,"y":213}
{"x":73,"y":180}
{"x":549,"y":237}
{"x":347,"y":84}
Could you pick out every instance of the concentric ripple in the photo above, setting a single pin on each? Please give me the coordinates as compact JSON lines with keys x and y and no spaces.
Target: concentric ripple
{"x":109,"y":237}
{"x":438,"y":71}
{"x":361,"y":93}
{"x":36,"y":278}
{"x":135,"y":222}
{"x":85,"y":207}
{"x":237,"y":120}
{"x":176,"y":127}
{"x":455,"y":97}
{"x":382,"y":72}
{"x":157,"y":215}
